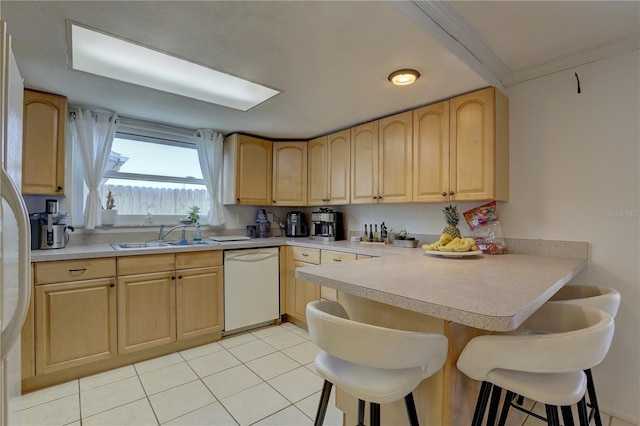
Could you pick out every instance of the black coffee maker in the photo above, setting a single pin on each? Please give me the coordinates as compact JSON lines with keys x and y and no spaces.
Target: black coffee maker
{"x":296,"y":225}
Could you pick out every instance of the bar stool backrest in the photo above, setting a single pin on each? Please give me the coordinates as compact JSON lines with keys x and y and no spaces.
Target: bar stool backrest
{"x":605,"y":298}
{"x":331,"y":329}
{"x":565,"y":338}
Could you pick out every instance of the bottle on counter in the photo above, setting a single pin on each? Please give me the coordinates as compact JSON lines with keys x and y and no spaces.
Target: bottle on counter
{"x":383,"y":232}
{"x":370,"y":232}
{"x":197,"y":234}
{"x":365,"y":237}
{"x":375,"y":233}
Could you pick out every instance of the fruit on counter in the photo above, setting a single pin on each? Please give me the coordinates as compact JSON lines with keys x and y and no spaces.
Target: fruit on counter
{"x":457,"y":244}
{"x":452,"y":218}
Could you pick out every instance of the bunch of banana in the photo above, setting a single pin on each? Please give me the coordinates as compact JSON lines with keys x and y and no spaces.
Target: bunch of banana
{"x":457,"y":244}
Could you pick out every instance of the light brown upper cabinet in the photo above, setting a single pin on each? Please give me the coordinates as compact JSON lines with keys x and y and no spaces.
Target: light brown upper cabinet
{"x":381,"y":162}
{"x":395,"y":150}
{"x":461,"y":149}
{"x":247,"y":170}
{"x":329,"y":169}
{"x":43,"y":154}
{"x":364,"y":163}
{"x":431,"y":152}
{"x":479,"y":149}
{"x":289,"y":174}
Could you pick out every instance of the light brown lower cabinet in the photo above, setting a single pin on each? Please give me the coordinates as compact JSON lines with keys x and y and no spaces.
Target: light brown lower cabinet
{"x":299,"y":292}
{"x":146,"y":311}
{"x":75,"y":323}
{"x":90,"y":315}
{"x":199,"y":301}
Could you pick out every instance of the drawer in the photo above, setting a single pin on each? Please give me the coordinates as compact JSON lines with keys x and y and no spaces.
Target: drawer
{"x":305,"y":254}
{"x":330,"y":256}
{"x":74,"y":270}
{"x":133,"y":265}
{"x":198,"y":259}
{"x":328,"y":293}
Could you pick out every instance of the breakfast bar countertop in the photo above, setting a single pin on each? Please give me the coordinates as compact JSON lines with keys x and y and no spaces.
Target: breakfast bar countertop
{"x":495,"y":293}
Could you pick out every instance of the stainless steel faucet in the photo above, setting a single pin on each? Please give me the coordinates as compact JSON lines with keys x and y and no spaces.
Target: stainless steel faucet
{"x":162,"y":235}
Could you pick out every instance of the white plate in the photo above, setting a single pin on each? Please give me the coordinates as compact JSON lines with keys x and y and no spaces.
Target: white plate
{"x":453,"y":253}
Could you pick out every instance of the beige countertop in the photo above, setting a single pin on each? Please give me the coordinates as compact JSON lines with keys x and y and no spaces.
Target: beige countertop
{"x":106,"y":250}
{"x":488,"y":292}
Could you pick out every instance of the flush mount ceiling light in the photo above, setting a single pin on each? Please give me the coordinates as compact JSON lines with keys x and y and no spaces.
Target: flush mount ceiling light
{"x":108,"y":56}
{"x":404,"y":77}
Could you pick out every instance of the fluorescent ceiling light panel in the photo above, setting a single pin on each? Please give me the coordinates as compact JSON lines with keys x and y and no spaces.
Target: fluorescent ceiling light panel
{"x":111,"y":57}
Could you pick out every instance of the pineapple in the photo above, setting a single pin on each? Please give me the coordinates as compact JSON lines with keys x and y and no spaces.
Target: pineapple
{"x":452,"y":217}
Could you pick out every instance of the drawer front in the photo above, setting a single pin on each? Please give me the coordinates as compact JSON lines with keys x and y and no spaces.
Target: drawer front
{"x":329,"y":256}
{"x":133,"y":265}
{"x":328,"y":293}
{"x":74,"y":270}
{"x":304,"y":254}
{"x":198,"y":259}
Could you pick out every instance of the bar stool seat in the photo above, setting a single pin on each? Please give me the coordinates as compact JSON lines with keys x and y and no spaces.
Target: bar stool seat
{"x":372,"y":363}
{"x":545,"y":367}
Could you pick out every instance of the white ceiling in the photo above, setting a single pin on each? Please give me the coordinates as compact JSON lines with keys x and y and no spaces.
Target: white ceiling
{"x":330,"y":59}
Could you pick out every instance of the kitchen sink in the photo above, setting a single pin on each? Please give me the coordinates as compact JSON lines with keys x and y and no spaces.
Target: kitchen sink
{"x":190,"y":243}
{"x":158,"y":244}
{"x":142,"y":245}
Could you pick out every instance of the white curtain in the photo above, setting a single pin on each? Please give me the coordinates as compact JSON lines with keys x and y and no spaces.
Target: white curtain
{"x":209,"y":144}
{"x":93,"y":134}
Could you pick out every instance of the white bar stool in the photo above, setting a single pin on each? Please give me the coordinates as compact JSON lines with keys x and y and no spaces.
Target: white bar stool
{"x":372,"y":363}
{"x":604,"y":298}
{"x":543,"y":366}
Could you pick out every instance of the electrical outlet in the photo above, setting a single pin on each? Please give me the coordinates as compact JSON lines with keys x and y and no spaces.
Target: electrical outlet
{"x":239,"y":217}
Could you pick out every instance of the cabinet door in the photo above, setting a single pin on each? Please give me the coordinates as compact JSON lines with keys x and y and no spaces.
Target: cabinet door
{"x":43,"y":154}
{"x":339,"y":168}
{"x":199,"y":301}
{"x":299,"y":292}
{"x":146,"y":311}
{"x":472,"y":149}
{"x":290,"y":173}
{"x":395,"y":147}
{"x":247,"y":163}
{"x":364,"y":163}
{"x":75,"y":324}
{"x":431,"y":153}
{"x":317,"y":155}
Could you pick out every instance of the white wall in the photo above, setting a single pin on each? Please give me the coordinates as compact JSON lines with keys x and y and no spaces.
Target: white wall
{"x":575,"y":162}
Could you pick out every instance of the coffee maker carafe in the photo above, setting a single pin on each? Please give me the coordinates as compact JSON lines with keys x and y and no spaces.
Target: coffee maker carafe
{"x":326,"y":225}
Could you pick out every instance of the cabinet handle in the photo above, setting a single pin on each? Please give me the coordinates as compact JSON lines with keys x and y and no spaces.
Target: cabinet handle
{"x":379,"y":197}
{"x":451,"y":193}
{"x":305,"y":254}
{"x":179,"y":277}
{"x":374,"y":197}
{"x":337,"y":260}
{"x":112,"y":285}
{"x":173,"y":277}
{"x":444,"y":194}
{"x":273,"y":201}
{"x":78,"y":270}
{"x":238,"y":199}
{"x":59,"y":187}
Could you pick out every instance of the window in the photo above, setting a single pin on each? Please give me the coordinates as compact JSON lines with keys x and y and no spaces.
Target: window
{"x":153,"y":170}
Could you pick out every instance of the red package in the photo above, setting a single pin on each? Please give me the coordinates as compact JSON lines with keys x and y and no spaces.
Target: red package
{"x":485,"y":228}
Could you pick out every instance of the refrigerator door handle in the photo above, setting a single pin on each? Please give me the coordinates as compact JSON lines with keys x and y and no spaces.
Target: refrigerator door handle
{"x":12,"y":331}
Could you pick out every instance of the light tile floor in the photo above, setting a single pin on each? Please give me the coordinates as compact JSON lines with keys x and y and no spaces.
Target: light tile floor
{"x":263,"y":377}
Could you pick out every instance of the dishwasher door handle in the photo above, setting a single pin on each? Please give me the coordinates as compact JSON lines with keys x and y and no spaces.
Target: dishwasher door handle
{"x":251,"y":257}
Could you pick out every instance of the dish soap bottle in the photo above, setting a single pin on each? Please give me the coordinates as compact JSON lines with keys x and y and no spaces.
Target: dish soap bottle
{"x":197,"y":235}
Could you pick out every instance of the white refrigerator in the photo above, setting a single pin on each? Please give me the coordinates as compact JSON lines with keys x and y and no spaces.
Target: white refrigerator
{"x":15,"y":255}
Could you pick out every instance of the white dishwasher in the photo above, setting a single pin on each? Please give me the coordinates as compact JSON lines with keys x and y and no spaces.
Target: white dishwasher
{"x":251,"y":288}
